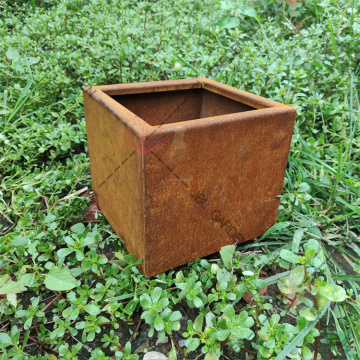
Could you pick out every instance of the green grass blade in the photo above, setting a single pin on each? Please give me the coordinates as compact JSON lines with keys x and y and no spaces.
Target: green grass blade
{"x":334,"y":45}
{"x":187,"y":64}
{"x":342,"y":336}
{"x":354,"y":333}
{"x":276,"y":227}
{"x":346,"y":277}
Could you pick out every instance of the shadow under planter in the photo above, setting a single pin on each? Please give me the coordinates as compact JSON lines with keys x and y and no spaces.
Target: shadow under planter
{"x":181,"y":168}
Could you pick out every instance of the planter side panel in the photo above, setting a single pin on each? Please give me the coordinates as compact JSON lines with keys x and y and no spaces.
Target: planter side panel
{"x":116,"y":172}
{"x":215,"y":185}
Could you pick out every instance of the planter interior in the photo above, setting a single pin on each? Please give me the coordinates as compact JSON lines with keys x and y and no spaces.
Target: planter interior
{"x":181,"y":168}
{"x":180,"y":105}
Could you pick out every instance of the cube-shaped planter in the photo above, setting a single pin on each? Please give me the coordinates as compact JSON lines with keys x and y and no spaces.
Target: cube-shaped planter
{"x":181,"y":168}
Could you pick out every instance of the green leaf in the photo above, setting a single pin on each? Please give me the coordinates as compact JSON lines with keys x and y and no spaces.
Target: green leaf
{"x":197,"y":302}
{"x":28,"y":188}
{"x":248,"y":273}
{"x":223,"y":276}
{"x":49,"y":218}
{"x":4,"y":338}
{"x":296,"y":240}
{"x":102,"y":319}
{"x":92,"y":309}
{"x":304,"y":187}
{"x":13,"y":54}
{"x":306,"y":352}
{"x":249,"y":12}
{"x":162,"y":303}
{"x":176,"y":315}
{"x":198,"y":323}
{"x":221,"y":335}
{"x":227,"y":22}
{"x":173,"y":353}
{"x":130,"y":307}
{"x":211,"y":356}
{"x":156,"y":295}
{"x":265,"y":352}
{"x":332,"y":292}
{"x":309,"y":314}
{"x":127,"y":349}
{"x":159,"y":323}
{"x":227,"y":253}
{"x":59,"y":279}
{"x":289,"y":256}
{"x":145,"y":301}
{"x":290,"y":284}
{"x":192,"y":344}
{"x":78,"y":228}
{"x":27,"y":279}
{"x":64,"y":351}
{"x":312,"y":244}
{"x":229,"y":312}
{"x":64,"y":252}
{"x":20,"y":241}
{"x":7,"y":286}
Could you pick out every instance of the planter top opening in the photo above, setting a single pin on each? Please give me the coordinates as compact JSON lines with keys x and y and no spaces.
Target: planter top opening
{"x":162,"y":103}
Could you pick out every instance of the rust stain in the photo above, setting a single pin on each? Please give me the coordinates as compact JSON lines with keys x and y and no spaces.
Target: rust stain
{"x":233,"y":145}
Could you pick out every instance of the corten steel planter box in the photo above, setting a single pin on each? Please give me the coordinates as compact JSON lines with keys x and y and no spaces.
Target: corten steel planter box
{"x":181,"y":168}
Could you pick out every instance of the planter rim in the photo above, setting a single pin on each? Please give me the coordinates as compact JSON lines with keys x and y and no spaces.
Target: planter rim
{"x":102,"y":93}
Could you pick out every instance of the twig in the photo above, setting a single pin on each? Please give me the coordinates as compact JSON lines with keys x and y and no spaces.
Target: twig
{"x":199,"y":356}
{"x":46,"y":348}
{"x":171,"y":288}
{"x":136,"y":330}
{"x":6,"y":217}
{"x":224,"y":342}
{"x":57,"y":293}
{"x":289,"y":307}
{"x":317,"y":339}
{"x":50,"y":303}
{"x":46,"y":203}
{"x":131,"y":338}
{"x":113,"y":262}
{"x":75,"y":193}
{"x":178,"y":346}
{"x":249,"y":351}
{"x":97,"y":279}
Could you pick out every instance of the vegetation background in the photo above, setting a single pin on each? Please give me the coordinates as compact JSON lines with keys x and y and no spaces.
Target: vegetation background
{"x":68,"y":288}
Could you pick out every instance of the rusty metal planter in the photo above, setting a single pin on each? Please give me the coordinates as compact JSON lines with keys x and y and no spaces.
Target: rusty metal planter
{"x":181,"y":168}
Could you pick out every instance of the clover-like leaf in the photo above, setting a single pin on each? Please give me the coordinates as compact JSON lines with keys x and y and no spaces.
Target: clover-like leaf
{"x":78,"y":228}
{"x":332,"y":292}
{"x":7,"y":286}
{"x":289,"y":256}
{"x":59,"y":279}
{"x":227,"y":22}
{"x":227,"y":253}
{"x":92,"y":309}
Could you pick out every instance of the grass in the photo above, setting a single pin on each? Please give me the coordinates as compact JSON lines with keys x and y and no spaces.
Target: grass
{"x":306,"y":56}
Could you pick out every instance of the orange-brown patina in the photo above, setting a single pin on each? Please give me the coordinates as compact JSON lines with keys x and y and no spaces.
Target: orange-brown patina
{"x":181,"y":168}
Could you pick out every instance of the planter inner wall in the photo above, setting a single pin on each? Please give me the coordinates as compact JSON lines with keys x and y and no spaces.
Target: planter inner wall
{"x":168,"y":107}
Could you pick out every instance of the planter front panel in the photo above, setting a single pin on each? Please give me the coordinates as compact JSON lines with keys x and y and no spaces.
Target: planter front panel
{"x":206,"y":167}
{"x":216,"y":184}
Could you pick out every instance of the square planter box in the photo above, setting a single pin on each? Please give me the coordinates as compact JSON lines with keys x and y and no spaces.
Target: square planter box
{"x":181,"y":168}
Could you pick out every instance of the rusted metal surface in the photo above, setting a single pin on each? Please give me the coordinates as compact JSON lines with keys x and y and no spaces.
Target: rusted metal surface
{"x":181,"y":168}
